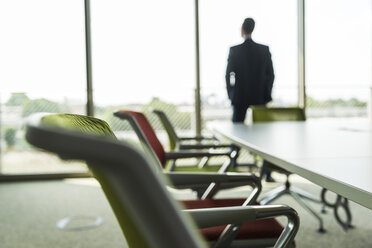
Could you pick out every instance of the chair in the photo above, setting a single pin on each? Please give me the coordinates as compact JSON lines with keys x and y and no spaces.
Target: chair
{"x":264,"y":114}
{"x":147,"y":215}
{"x":177,"y":142}
{"x":148,"y":136}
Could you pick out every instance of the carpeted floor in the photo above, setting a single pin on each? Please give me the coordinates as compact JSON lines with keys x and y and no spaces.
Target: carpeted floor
{"x":29,"y":212}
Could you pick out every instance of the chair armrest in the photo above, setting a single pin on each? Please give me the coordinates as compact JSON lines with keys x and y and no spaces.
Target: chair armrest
{"x":198,"y":138}
{"x":182,"y":179}
{"x":195,"y":154}
{"x":203,"y":146}
{"x":235,"y":216}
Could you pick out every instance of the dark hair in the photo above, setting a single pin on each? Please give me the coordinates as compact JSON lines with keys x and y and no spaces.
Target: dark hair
{"x":248,"y":25}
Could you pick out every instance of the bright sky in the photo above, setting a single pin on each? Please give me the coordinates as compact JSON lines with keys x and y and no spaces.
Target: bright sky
{"x":145,"y":48}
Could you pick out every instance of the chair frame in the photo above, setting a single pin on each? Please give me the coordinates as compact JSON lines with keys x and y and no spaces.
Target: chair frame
{"x":176,"y":142}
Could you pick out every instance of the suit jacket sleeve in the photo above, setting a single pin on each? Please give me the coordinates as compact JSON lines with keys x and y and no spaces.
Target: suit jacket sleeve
{"x":230,"y":68}
{"x":269,"y":76}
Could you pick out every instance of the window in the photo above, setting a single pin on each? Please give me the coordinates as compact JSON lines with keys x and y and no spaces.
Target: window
{"x":143,"y":58}
{"x":220,"y":25}
{"x":42,"y":69}
{"x":338,"y":57}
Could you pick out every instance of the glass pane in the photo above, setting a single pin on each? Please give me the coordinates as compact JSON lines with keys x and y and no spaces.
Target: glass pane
{"x":338,"y":57}
{"x":42,"y":69}
{"x":143,"y":58}
{"x":220,"y":28}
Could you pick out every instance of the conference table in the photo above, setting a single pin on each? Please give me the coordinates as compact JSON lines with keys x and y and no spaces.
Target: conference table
{"x":334,"y":154}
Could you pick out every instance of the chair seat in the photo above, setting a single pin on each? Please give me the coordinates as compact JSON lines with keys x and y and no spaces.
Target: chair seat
{"x":261,"y":229}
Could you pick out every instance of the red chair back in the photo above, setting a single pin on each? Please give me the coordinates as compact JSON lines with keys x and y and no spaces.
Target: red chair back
{"x":149,"y":133}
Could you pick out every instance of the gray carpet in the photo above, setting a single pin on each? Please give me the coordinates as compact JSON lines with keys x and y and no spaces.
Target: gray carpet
{"x":29,"y":212}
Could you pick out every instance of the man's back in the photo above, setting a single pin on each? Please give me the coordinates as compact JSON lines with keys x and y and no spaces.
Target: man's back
{"x":254,"y":75}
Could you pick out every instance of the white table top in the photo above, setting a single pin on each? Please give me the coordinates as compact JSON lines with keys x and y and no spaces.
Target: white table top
{"x":332,"y":154}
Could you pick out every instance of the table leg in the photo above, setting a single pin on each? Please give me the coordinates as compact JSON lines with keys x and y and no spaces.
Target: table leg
{"x":341,"y":202}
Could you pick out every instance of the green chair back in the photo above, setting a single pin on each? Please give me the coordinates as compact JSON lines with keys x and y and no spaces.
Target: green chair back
{"x":172,"y":135}
{"x":93,"y":126}
{"x":147,"y":215}
{"x":265,"y":114}
{"x":80,"y":123}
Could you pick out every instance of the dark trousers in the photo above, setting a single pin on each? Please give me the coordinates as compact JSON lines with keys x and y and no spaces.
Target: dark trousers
{"x":239,"y":113}
{"x":265,"y":172}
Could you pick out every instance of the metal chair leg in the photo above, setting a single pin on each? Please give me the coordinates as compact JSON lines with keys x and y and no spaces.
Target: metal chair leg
{"x":309,"y":209}
{"x":296,"y":193}
{"x":305,"y":195}
{"x":273,"y":194}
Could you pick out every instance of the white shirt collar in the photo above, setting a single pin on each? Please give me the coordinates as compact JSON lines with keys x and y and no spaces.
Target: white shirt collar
{"x":247,"y":37}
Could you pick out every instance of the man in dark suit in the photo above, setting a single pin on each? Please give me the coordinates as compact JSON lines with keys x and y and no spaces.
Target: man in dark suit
{"x":249,"y":74}
{"x":249,"y":77}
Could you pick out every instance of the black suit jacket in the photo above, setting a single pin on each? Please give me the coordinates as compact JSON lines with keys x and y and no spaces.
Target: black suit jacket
{"x":254,"y":74}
